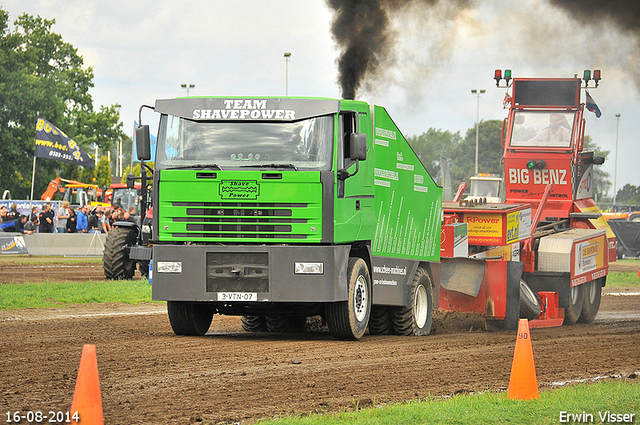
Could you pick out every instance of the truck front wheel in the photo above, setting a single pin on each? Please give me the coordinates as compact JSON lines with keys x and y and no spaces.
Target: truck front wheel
{"x":591,"y":304}
{"x":349,"y":319}
{"x":417,"y":318}
{"x":188,"y":318}
{"x":573,"y":310}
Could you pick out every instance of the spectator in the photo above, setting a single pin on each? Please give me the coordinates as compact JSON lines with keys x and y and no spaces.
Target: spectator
{"x":16,"y":225}
{"x":31,"y":225}
{"x":131,"y":215}
{"x":3,"y":213}
{"x":45,"y":219}
{"x":34,"y":213}
{"x":81,"y":222}
{"x":71,"y":221}
{"x":13,"y":213}
{"x":106,"y":221}
{"x":93,"y":222}
{"x":62,"y":217}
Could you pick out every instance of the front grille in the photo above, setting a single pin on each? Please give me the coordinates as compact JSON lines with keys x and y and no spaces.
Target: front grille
{"x":246,"y":220}
{"x":238,"y":272}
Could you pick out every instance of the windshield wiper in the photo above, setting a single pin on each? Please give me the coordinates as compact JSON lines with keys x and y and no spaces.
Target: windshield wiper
{"x":271,"y":166}
{"x":198,"y":166}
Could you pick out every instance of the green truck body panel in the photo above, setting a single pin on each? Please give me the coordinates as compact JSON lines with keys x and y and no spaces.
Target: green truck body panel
{"x":388,"y":203}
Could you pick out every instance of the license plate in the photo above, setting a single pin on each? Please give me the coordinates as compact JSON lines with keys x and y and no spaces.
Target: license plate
{"x":237,"y":296}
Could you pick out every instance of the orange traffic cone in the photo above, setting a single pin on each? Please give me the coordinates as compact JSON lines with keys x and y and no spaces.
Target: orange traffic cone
{"x":86,"y":398}
{"x":523,"y":384}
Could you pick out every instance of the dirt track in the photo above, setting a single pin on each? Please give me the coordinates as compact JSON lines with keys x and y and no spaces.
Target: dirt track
{"x":149,"y":375}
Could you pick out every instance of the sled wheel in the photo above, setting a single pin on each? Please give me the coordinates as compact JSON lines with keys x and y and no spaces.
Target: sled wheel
{"x":591,"y":304}
{"x":529,"y":303}
{"x":189,"y":318}
{"x":573,"y":310}
{"x":348,"y":319}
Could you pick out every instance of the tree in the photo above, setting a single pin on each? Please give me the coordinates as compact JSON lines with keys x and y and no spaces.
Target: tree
{"x":628,"y":195}
{"x":43,"y":75}
{"x":489,"y":152}
{"x":601,"y":182}
{"x":432,"y":146}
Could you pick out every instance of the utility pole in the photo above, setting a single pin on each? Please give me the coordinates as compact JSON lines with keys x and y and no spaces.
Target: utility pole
{"x":477,"y":93}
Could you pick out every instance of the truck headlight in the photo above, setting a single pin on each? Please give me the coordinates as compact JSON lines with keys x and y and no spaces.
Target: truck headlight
{"x":169,"y":267}
{"x":309,"y":268}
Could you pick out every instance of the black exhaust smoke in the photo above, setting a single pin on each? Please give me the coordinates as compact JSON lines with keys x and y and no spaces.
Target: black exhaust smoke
{"x":360,"y":28}
{"x":363,"y":30}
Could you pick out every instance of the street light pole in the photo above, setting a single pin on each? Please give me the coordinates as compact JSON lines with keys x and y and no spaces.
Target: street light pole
{"x":477,"y":93}
{"x":188,"y":87}
{"x":287,"y":56}
{"x":615,"y":167}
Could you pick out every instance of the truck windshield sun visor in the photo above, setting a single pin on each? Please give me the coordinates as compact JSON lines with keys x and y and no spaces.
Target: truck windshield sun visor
{"x":300,"y":145}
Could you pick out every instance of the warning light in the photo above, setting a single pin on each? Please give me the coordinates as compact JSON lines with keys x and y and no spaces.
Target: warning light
{"x":597,"y":76}
{"x":586,"y":76}
{"x":541,"y":164}
{"x":497,"y":75}
{"x":531,"y":164}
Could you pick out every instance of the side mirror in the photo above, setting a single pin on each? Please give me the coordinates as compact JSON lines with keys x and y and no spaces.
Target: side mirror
{"x":143,"y":143}
{"x":358,"y":146}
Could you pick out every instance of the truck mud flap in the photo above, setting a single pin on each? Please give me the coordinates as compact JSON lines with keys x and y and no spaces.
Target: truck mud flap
{"x":462,"y":275}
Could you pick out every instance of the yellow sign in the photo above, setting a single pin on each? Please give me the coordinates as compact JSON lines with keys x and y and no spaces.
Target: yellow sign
{"x":484,"y":227}
{"x":513,"y":227}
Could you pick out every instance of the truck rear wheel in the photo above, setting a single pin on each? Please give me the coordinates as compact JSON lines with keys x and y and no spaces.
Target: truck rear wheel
{"x":573,"y":310}
{"x":349,"y":319}
{"x":254,"y":323}
{"x":189,"y":318}
{"x":285,"y":324}
{"x":115,"y":259}
{"x":379,"y":321}
{"x":417,"y":318}
{"x":591,"y":304}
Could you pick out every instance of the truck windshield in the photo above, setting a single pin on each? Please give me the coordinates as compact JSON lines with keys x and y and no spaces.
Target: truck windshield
{"x":485,"y":188}
{"x":542,"y":128}
{"x":305,"y":144}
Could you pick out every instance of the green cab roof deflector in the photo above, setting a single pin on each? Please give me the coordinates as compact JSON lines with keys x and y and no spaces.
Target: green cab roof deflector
{"x":246,"y":108}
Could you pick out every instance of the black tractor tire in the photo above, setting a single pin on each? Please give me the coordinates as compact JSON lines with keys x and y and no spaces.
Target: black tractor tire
{"x":115,"y":258}
{"x":380,"y":320}
{"x":591,"y":304}
{"x":189,"y":318}
{"x":349,"y":319}
{"x":529,"y":303}
{"x":573,"y":310}
{"x":254,"y":323}
{"x":417,"y":318}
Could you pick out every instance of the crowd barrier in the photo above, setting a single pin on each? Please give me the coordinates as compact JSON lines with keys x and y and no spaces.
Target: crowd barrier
{"x":70,"y":245}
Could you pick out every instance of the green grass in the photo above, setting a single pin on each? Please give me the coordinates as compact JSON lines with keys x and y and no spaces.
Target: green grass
{"x":43,"y":295}
{"x":627,"y":280}
{"x":491,"y":408}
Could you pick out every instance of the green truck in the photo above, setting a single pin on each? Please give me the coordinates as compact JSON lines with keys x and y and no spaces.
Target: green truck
{"x":279,"y":209}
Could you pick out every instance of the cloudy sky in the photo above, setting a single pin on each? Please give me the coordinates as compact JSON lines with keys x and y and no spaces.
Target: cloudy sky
{"x":144,"y":50}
